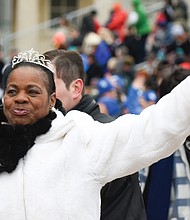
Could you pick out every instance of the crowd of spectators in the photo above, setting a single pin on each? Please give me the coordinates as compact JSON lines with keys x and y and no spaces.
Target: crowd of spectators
{"x":127,"y":44}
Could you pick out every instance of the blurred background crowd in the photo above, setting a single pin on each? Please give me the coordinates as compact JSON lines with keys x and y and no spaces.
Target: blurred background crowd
{"x":124,"y":58}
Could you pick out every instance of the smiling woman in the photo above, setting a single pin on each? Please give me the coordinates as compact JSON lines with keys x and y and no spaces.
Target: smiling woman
{"x":53,"y":166}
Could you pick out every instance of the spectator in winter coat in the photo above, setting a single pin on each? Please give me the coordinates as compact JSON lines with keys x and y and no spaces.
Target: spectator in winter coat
{"x":117,"y":21}
{"x":89,"y":23}
{"x":143,"y":28}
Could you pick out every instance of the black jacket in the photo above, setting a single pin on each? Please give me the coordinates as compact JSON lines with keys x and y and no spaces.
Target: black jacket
{"x":121,"y":199}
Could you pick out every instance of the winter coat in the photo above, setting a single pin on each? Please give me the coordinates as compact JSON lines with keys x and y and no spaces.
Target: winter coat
{"x":117,"y":22}
{"x":142,"y":26}
{"x":122,"y":198}
{"x":62,"y":174}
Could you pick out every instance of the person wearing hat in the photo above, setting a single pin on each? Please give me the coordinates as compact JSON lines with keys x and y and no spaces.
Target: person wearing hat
{"x":108,"y":99}
{"x":180,"y":45}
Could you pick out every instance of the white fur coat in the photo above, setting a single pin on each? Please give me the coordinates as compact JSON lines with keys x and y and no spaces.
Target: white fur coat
{"x":61,"y":176}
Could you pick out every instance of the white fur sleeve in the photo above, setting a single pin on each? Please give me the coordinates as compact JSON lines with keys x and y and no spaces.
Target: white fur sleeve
{"x":133,"y":142}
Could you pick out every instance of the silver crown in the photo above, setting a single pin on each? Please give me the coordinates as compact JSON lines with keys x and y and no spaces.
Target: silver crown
{"x":32,"y":56}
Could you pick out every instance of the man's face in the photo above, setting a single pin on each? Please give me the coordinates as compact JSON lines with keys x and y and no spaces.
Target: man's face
{"x":63,"y":94}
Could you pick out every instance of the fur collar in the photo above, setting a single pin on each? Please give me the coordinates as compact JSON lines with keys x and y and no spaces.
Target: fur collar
{"x":16,"y":140}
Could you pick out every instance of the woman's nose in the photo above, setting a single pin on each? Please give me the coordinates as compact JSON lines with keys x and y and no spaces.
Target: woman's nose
{"x":21,"y":97}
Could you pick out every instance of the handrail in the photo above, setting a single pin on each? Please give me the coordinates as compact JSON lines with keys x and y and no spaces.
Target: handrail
{"x":79,"y":12}
{"x":155,"y":7}
{"x":34,"y":28}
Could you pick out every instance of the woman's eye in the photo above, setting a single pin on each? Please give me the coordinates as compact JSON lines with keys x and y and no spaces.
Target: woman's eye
{"x":33,"y":92}
{"x":11,"y":91}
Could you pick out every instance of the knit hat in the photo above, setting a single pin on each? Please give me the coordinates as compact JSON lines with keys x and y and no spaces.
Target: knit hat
{"x":177,"y":30}
{"x":104,"y":85}
{"x":116,"y":6}
{"x":136,"y":2}
{"x":58,"y":40}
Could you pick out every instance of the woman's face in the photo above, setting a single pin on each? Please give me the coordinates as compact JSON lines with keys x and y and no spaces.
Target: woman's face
{"x":26,"y":98}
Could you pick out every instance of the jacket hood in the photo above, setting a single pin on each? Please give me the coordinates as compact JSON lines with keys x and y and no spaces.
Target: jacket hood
{"x":136,"y":2}
{"x":116,"y":6}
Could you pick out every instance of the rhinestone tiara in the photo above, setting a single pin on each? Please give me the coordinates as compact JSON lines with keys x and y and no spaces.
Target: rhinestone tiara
{"x":32,"y":56}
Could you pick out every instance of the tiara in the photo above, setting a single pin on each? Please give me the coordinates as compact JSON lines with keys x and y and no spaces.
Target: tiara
{"x":32,"y":56}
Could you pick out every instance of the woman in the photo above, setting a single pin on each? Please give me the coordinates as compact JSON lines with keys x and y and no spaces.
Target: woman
{"x":54,"y":166}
